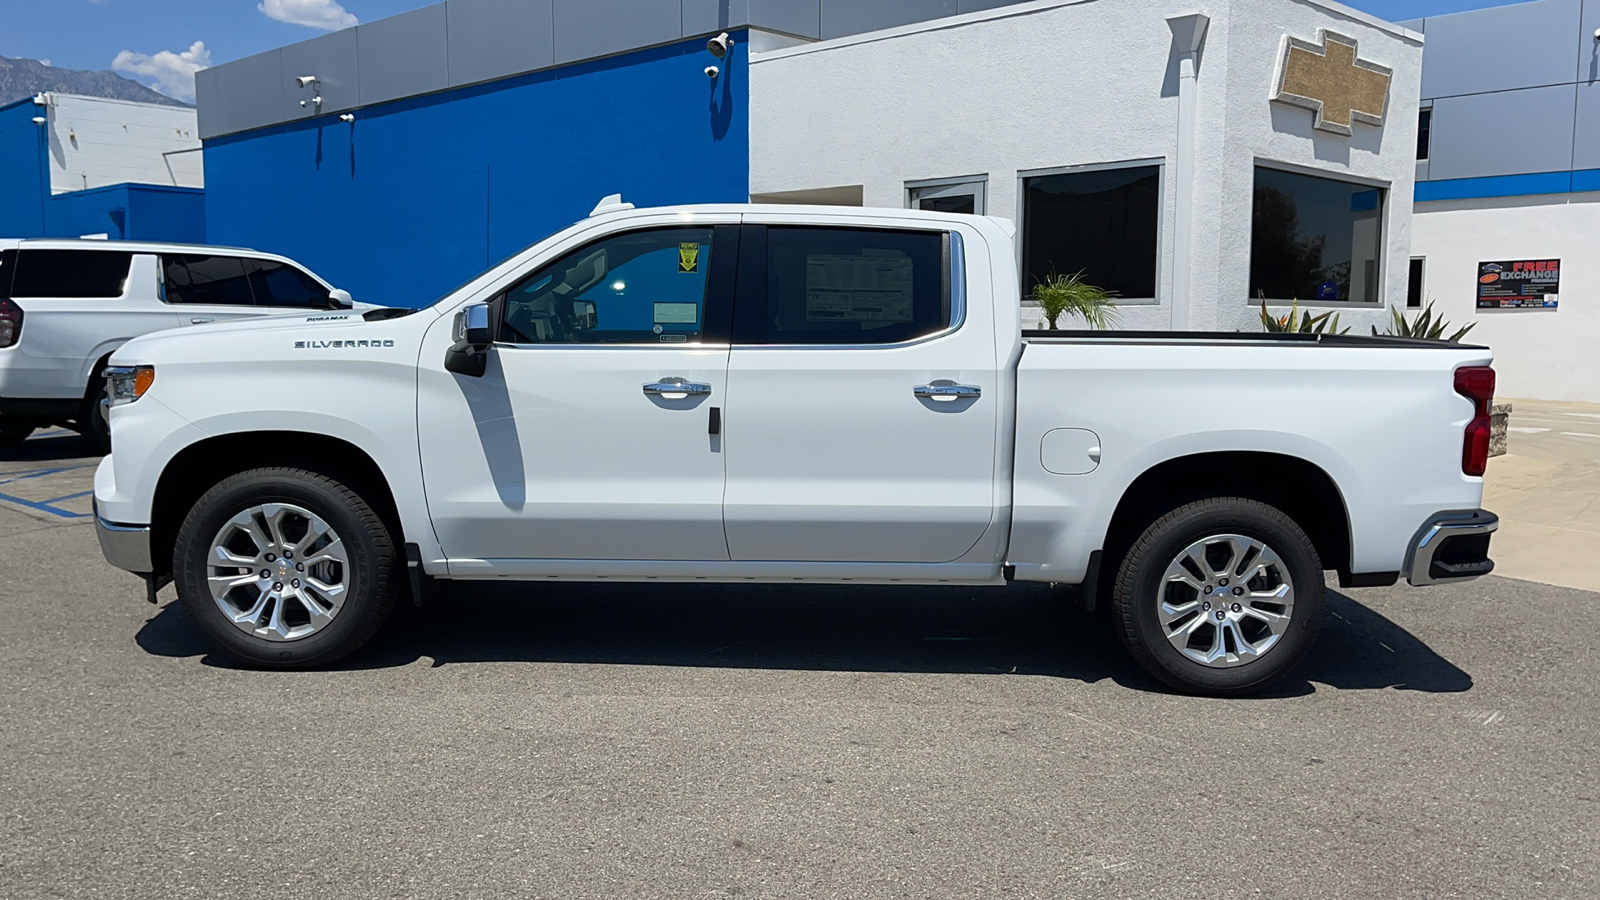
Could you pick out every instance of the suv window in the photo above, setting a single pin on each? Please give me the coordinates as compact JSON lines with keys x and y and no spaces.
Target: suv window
{"x":855,"y":286}
{"x":71,"y":273}
{"x":277,"y":284}
{"x":643,"y":287}
{"x":206,"y":279}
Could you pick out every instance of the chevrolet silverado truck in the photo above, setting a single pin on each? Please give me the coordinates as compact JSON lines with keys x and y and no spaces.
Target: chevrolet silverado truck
{"x":786,"y":394}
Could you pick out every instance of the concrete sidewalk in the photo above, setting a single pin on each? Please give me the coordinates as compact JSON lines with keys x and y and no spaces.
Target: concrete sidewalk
{"x":1546,"y":490}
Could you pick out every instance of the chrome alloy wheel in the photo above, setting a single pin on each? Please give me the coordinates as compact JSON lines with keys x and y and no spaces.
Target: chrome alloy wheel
{"x":278,"y":572}
{"x":1226,"y":600}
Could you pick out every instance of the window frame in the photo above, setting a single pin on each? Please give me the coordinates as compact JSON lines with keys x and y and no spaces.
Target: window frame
{"x":1162,"y":287}
{"x":752,"y":302}
{"x":1384,"y":227}
{"x":979,"y":185}
{"x":163,"y":294}
{"x":1425,"y":135}
{"x":717,"y":314}
{"x":1422,"y":282}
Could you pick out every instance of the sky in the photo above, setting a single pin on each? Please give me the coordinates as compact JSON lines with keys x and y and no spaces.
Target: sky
{"x":161,"y":43}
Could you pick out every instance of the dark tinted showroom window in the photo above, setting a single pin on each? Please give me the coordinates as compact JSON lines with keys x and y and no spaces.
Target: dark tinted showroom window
{"x":71,"y":273}
{"x":207,"y":279}
{"x":1104,"y":223}
{"x":845,"y":286}
{"x":1315,"y":239}
{"x":643,"y":287}
{"x":276,"y":284}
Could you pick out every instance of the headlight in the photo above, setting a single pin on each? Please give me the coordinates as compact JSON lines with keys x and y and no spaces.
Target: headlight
{"x":125,"y":384}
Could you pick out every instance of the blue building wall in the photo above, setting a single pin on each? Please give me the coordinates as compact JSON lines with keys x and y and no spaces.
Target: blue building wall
{"x":418,"y":195}
{"x":141,"y":212}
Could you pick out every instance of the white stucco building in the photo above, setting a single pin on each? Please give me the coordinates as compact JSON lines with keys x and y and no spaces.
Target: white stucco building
{"x":1071,"y":119}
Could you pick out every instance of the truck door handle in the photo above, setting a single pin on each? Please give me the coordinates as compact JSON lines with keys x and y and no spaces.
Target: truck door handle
{"x":945,"y":392}
{"x":200,"y":321}
{"x":676,"y":389}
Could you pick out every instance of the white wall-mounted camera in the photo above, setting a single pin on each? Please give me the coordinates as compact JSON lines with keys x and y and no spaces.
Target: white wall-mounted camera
{"x":305,"y":81}
{"x":712,"y":71}
{"x":720,"y":45}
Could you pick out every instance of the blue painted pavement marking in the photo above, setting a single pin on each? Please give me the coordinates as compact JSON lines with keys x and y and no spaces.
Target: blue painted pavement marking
{"x":46,"y":505}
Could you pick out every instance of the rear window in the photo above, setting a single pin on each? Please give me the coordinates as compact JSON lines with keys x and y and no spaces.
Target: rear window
{"x":71,"y":273}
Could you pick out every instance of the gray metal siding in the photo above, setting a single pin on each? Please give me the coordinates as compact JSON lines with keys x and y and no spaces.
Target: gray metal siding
{"x":586,"y":29}
{"x":250,"y":92}
{"x":1504,"y":48}
{"x":332,"y":58}
{"x":1586,"y":128}
{"x":404,"y":55}
{"x":495,"y":38}
{"x":1503,"y":133}
{"x":842,"y":17}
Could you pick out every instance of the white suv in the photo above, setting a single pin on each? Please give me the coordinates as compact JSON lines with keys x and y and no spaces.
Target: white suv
{"x":65,"y":305}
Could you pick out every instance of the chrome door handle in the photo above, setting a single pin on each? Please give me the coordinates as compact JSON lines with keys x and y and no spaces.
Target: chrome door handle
{"x":947,"y":392}
{"x":200,"y":321}
{"x":676,"y":388}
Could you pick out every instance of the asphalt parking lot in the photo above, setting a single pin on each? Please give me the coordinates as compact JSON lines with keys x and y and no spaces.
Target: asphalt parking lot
{"x":620,"y":741}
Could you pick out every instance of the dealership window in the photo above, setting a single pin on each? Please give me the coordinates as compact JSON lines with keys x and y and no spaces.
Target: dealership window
{"x":1104,"y":222}
{"x":1424,"y":132}
{"x":1314,"y":239}
{"x":951,"y":196}
{"x":1414,"y":284}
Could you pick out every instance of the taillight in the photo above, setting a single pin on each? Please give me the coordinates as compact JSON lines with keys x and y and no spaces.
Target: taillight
{"x":10,"y":322}
{"x":1476,"y":383}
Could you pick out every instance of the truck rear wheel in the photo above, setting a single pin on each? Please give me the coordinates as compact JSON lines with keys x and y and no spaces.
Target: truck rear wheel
{"x":284,"y":568}
{"x":1220,"y":597}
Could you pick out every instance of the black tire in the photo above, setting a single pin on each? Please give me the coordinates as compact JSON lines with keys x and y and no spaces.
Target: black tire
{"x":92,"y":422}
{"x":12,"y":435}
{"x":1140,"y":586}
{"x":371,"y":575}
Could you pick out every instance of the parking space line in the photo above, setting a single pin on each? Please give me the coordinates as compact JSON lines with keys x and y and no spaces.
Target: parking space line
{"x":25,"y":474}
{"x":1579,"y":434}
{"x":46,"y":506}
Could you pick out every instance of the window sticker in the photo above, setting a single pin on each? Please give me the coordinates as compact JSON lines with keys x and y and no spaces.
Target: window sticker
{"x":677,"y":313}
{"x":874,"y":289}
{"x":688,"y":258}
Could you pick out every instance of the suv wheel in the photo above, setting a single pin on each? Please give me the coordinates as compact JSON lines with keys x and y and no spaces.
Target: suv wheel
{"x":285,"y":568}
{"x":1220,"y":597}
{"x":12,"y":435}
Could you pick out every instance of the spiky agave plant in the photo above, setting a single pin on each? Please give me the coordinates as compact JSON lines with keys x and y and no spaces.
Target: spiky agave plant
{"x":1297,"y":323}
{"x":1425,"y":325}
{"x":1060,"y":295}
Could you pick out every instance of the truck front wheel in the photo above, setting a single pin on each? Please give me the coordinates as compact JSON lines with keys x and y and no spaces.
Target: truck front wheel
{"x":1220,"y":597}
{"x":284,"y":568}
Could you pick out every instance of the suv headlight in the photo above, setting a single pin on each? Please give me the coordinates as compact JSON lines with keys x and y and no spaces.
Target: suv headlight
{"x":125,"y":384}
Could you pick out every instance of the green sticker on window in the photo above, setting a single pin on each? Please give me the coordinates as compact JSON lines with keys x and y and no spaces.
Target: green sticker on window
{"x":688,"y":258}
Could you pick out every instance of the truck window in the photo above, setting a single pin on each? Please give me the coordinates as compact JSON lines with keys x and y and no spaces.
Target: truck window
{"x":80,"y":274}
{"x":277,"y":284}
{"x":643,"y":287}
{"x":218,"y":280}
{"x":855,"y":286}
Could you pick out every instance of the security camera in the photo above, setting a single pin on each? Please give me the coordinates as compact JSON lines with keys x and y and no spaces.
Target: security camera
{"x":347,"y":117}
{"x":720,"y":45}
{"x":305,"y":81}
{"x":39,"y":120}
{"x":1597,"y":34}
{"x":712,"y":71}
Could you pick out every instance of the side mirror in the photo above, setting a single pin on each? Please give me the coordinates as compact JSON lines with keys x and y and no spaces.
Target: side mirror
{"x":474,"y":336}
{"x":338,"y":299}
{"x":584,"y":315}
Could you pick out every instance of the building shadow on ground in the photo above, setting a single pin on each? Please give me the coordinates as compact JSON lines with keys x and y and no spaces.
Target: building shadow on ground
{"x":1024,"y":629}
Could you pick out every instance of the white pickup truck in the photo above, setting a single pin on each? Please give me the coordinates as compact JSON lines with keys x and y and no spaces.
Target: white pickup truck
{"x":786,"y":394}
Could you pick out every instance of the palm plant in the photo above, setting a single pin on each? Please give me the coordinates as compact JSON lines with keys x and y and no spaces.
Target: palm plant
{"x":1060,"y":295}
{"x":1425,"y":325}
{"x":1297,"y":323}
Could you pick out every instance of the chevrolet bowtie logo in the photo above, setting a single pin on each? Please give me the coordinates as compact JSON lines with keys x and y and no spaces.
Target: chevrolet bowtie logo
{"x":1328,"y":79}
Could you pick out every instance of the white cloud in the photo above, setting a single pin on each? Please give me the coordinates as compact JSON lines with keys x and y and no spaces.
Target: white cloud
{"x":170,"y":73}
{"x":325,"y":14}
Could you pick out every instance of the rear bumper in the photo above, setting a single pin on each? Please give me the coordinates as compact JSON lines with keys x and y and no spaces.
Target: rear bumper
{"x":1452,"y":546}
{"x":124,"y":546}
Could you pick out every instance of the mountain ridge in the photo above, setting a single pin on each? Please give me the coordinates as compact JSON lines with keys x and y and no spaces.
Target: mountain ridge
{"x":21,"y":78}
